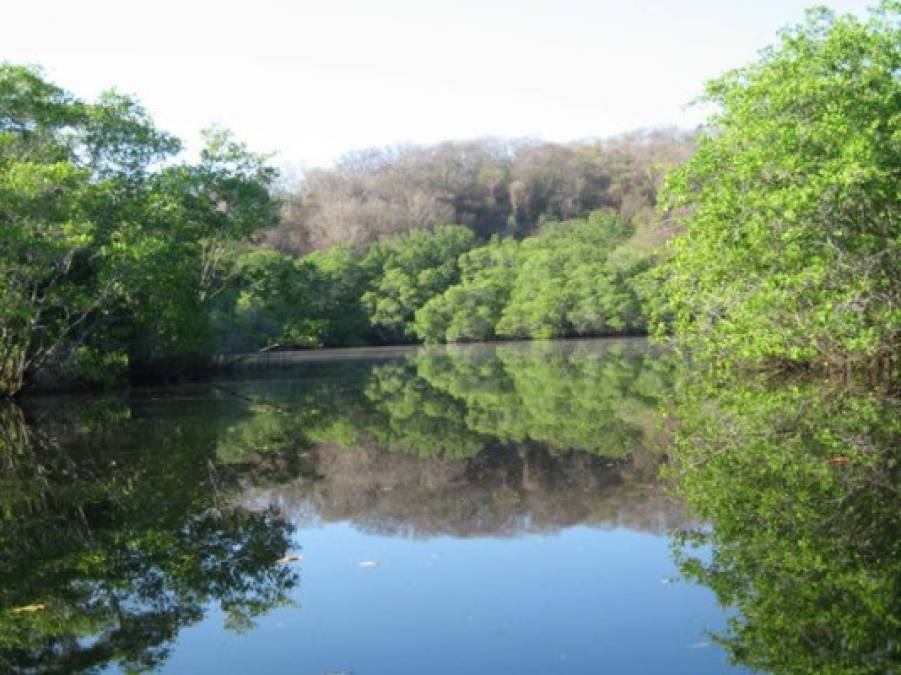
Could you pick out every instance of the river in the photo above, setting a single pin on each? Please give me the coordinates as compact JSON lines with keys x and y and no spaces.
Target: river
{"x":477,"y":509}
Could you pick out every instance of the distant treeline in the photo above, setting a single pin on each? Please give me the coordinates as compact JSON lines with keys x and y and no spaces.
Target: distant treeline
{"x":549,"y":241}
{"x":584,"y":277}
{"x":491,"y":186}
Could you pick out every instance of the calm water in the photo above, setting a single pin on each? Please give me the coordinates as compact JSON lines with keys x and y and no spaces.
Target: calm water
{"x":484,"y":509}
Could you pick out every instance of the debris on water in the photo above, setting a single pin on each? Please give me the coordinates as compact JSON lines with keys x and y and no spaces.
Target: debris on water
{"x":699,"y":645}
{"x":290,"y":559}
{"x":38,"y":607}
{"x":368,"y":563}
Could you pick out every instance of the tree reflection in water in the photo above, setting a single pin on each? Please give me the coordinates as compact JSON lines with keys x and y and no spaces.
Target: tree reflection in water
{"x":115,"y":533}
{"x":487,"y":440}
{"x":124,"y":521}
{"x":799,"y":486}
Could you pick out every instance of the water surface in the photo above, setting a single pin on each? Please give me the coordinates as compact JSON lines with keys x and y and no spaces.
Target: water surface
{"x":490,"y":508}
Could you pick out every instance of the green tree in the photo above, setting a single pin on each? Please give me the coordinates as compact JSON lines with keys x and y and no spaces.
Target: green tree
{"x":469,"y":310}
{"x":68,"y":173}
{"x":413,"y":268}
{"x":110,"y":251}
{"x":344,"y":278}
{"x":792,"y":243}
{"x":271,"y":301}
{"x":194,"y":215}
{"x":563,"y":284}
{"x":583,"y":277}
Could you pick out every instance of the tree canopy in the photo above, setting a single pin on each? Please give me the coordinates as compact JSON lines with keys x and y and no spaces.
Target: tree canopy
{"x":792,"y":243}
{"x":492,"y":186}
{"x":110,"y":246}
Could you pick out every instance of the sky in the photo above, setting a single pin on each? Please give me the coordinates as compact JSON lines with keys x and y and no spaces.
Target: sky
{"x":310,"y":81}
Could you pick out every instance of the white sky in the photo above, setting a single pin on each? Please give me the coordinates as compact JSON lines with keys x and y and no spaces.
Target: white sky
{"x":312,"y":80}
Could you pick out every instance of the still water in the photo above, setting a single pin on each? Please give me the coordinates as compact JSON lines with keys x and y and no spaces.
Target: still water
{"x":479,"y":509}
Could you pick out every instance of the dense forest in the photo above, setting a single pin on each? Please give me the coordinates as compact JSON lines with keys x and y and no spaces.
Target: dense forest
{"x":491,"y":186}
{"x":119,"y":258}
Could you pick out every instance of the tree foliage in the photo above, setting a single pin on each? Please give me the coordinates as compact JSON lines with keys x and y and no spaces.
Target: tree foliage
{"x":584,"y":277}
{"x":110,"y":248}
{"x":412,"y":268}
{"x":470,"y":309}
{"x":571,"y":278}
{"x":792,"y":243}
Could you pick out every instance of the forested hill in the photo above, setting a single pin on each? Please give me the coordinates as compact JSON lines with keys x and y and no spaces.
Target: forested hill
{"x":491,"y":186}
{"x":547,"y":241}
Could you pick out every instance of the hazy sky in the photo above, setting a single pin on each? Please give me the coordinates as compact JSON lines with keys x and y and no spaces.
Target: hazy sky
{"x":314,"y":79}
